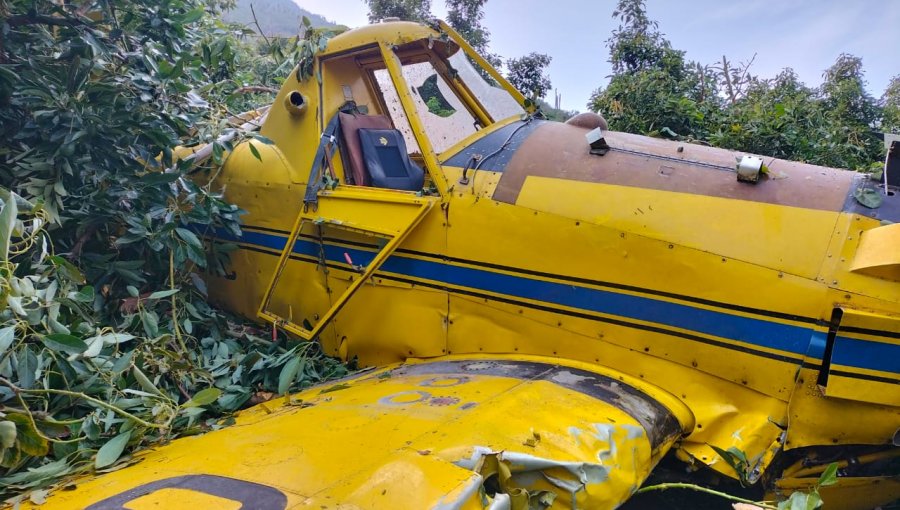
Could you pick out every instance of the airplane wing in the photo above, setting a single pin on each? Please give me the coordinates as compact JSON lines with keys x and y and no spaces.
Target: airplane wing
{"x":459,"y":434}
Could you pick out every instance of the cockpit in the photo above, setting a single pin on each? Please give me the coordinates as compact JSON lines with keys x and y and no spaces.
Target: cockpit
{"x":403,"y":109}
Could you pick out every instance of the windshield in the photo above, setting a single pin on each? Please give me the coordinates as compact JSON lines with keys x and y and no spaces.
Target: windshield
{"x":499,"y":103}
{"x":444,"y":116}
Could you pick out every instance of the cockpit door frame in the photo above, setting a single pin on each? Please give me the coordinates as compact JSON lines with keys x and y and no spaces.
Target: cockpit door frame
{"x":387,"y":214}
{"x":433,"y":166}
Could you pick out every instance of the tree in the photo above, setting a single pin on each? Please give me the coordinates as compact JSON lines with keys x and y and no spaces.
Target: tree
{"x":653,"y":90}
{"x":775,"y":117}
{"x":636,"y":45}
{"x":101,"y":294}
{"x":844,"y":91}
{"x":527,"y":74}
{"x":890,"y":102}
{"x":465,"y":16}
{"x":408,"y":10}
{"x":848,"y":137}
{"x":734,"y":78}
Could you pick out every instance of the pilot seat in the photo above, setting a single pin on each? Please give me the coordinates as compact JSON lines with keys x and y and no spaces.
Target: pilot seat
{"x":375,"y":154}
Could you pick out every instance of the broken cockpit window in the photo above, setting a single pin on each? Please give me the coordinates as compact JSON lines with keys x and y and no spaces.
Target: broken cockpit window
{"x":497,"y":102}
{"x":444,"y":116}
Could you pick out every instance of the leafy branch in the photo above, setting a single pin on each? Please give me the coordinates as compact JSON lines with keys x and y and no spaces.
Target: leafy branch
{"x":798,"y":500}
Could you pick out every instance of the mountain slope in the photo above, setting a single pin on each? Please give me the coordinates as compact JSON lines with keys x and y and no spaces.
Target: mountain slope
{"x":276,"y":17}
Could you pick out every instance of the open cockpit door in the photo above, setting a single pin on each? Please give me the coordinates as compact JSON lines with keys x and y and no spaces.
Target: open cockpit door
{"x":328,"y":238}
{"x":351,"y":230}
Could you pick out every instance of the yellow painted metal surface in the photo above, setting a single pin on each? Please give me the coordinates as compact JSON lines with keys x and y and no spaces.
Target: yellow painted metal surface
{"x":866,"y":292}
{"x":790,"y":238}
{"x":413,"y":436}
{"x":395,"y":34}
{"x":879,"y":253}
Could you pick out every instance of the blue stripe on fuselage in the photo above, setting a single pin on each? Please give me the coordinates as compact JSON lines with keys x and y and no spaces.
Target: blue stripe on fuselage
{"x":759,"y":332}
{"x":853,"y":352}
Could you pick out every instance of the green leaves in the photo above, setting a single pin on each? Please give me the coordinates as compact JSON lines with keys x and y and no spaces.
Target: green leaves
{"x":191,"y":16}
{"x":67,"y":269}
{"x":254,"y":151}
{"x":64,"y":343}
{"x":829,"y":476}
{"x":811,"y":500}
{"x":195,"y":252}
{"x":218,"y":152}
{"x":189,"y":237}
{"x":7,"y":337}
{"x":145,"y":382}
{"x":7,"y":434}
{"x":289,"y":374}
{"x":99,"y":233}
{"x":868,"y":197}
{"x":203,"y":398}
{"x":737,"y":459}
{"x":112,"y":450}
{"x":723,"y":104}
{"x":22,"y":439}
{"x":527,"y":74}
{"x":164,"y":293}
{"x":38,"y":476}
{"x":8,"y":215}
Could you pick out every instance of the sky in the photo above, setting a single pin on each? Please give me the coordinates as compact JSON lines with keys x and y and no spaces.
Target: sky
{"x":807,"y":35}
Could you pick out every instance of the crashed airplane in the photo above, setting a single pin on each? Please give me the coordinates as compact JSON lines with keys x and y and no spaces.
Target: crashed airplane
{"x":545,"y":310}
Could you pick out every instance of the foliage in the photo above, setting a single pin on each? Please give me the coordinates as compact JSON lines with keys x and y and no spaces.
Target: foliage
{"x":654,"y":91}
{"x":466,"y":16}
{"x":527,"y":74}
{"x":890,"y":103}
{"x":850,"y":114}
{"x":798,"y":500}
{"x":636,"y":45}
{"x":107,"y":342}
{"x":738,"y":461}
{"x":733,"y":80}
{"x":409,"y":10}
{"x":552,"y":113}
{"x":774,"y":118}
{"x":811,"y":500}
{"x":434,"y":98}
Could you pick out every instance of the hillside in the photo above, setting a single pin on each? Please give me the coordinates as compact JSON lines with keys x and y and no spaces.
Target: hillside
{"x":276,"y":17}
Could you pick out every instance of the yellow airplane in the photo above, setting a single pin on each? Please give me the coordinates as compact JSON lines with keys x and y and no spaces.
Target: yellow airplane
{"x":547,"y":310}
